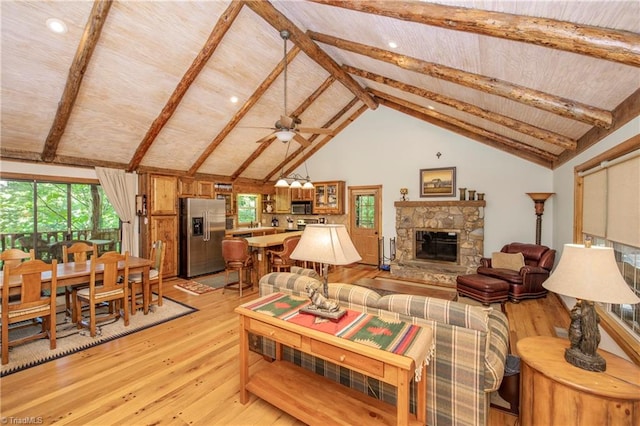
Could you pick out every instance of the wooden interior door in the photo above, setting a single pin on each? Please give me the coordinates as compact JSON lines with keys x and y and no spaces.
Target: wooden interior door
{"x":365,"y":213}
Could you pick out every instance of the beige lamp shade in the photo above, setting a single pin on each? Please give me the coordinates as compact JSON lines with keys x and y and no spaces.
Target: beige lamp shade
{"x":329,"y":244}
{"x":590,"y":273}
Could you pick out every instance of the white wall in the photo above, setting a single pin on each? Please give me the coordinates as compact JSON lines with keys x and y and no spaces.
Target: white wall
{"x":388,"y":148}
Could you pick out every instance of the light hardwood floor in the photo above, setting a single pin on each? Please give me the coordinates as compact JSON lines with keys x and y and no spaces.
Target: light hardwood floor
{"x":185,"y":372}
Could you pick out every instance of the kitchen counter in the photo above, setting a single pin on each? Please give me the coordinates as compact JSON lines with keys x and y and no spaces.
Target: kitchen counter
{"x":264,"y":230}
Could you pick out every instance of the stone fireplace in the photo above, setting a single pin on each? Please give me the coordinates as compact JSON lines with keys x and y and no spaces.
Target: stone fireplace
{"x":438,"y":240}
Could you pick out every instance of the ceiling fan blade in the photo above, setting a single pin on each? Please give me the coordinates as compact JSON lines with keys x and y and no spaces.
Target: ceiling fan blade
{"x":256,"y":127}
{"x":301,"y":140}
{"x":315,"y":130}
{"x":266,"y":138}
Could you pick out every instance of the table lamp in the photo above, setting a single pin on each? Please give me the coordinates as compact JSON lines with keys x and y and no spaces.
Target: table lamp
{"x":328,"y":245}
{"x":590,"y":274}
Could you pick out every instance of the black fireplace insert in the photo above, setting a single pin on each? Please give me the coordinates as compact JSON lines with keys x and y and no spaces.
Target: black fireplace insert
{"x":435,"y":245}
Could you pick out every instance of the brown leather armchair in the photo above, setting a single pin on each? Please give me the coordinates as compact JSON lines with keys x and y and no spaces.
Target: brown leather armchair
{"x":527,"y":282}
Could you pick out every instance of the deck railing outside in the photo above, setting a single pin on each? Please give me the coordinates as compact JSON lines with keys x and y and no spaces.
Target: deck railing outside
{"x":48,"y":245}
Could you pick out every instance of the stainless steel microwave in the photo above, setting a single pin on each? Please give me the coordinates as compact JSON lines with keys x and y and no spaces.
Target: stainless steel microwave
{"x":301,"y":207}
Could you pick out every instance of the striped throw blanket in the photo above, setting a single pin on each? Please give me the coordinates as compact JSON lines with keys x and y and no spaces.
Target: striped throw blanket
{"x":387,"y":334}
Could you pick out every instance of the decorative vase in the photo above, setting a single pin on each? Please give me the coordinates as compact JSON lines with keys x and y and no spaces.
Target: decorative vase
{"x":472,"y":194}
{"x":480,"y":196}
{"x":463,"y":193}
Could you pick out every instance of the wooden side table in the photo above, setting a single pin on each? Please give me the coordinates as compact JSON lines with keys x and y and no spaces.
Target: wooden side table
{"x":554,"y":392}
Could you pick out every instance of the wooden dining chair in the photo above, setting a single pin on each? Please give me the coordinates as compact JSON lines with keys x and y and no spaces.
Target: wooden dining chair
{"x":112,"y":289}
{"x":14,"y":257}
{"x":32,"y":302}
{"x":237,"y":257}
{"x":155,"y":279}
{"x":78,"y":252}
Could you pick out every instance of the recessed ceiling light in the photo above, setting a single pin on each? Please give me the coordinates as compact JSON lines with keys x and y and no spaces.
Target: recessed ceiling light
{"x":234,"y":99}
{"x":56,"y":25}
{"x":431,"y":107}
{"x":393,"y":44}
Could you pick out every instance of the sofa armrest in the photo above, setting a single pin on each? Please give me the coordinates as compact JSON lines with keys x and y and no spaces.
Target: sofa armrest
{"x":485,"y":262}
{"x":286,"y":282}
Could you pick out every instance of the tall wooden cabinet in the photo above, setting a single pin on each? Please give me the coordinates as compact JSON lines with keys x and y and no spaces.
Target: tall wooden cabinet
{"x":162,"y":222}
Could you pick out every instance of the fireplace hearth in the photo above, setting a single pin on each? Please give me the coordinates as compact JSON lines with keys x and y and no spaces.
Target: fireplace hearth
{"x":438,"y":240}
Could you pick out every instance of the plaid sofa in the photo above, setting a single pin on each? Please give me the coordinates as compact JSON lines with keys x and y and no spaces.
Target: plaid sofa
{"x":471,"y":347}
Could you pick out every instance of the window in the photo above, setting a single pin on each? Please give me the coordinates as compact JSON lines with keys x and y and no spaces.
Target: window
{"x":608,"y":212}
{"x":41,"y":215}
{"x":248,"y":208}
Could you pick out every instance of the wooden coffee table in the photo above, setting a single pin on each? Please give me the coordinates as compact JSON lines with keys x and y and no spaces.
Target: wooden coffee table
{"x":386,"y":286}
{"x":315,"y":399}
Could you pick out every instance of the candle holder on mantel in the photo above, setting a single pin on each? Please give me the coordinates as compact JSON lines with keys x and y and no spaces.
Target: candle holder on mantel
{"x":539,"y":198}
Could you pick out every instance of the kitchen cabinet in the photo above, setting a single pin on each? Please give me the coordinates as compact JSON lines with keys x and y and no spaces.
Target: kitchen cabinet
{"x":301,"y":194}
{"x":188,"y":187}
{"x":283,"y":201}
{"x":328,"y":197}
{"x":164,"y":195}
{"x":205,"y":189}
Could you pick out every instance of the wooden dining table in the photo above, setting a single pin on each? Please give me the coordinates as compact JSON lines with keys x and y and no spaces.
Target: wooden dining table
{"x":79,"y":273}
{"x":262,"y":243}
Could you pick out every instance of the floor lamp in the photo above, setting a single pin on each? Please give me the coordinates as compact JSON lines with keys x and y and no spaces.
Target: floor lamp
{"x":539,"y":198}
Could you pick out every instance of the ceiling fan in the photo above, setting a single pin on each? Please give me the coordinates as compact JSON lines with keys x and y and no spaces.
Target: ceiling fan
{"x":286,"y":128}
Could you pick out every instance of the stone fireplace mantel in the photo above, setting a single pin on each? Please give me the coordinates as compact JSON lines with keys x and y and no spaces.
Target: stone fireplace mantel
{"x":463,"y":217}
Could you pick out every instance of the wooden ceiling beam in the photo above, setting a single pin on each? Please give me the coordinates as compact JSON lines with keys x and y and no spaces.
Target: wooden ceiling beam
{"x":603,"y":43}
{"x":215,"y":38}
{"x":545,"y":101}
{"x":85,"y":49}
{"x":517,"y":125}
{"x":280,"y":22}
{"x":507,"y":142}
{"x":239,"y":115}
{"x":626,"y":111}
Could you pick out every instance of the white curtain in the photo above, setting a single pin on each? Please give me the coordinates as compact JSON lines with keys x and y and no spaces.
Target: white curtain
{"x":121,"y":189}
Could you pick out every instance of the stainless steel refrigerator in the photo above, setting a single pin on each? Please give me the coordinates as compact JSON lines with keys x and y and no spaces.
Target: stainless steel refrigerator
{"x":202,"y":228}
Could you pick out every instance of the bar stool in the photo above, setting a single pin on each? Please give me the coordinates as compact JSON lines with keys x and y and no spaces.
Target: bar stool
{"x":237,"y":257}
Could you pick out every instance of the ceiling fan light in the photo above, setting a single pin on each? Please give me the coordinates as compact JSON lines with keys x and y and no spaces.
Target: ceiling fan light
{"x":285,"y":135}
{"x":308,"y":185}
{"x":282,"y":183}
{"x":296,"y":184}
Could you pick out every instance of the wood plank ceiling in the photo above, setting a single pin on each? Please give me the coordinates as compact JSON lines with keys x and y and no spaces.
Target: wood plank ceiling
{"x":146,"y":86}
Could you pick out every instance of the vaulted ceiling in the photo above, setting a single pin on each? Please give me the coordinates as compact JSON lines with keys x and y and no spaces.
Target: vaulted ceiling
{"x":147,"y":86}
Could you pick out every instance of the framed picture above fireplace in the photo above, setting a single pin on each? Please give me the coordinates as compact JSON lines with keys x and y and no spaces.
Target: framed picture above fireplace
{"x":439,"y":182}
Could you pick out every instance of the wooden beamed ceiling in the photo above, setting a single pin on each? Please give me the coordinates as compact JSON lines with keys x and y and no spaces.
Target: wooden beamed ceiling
{"x":367,"y":87}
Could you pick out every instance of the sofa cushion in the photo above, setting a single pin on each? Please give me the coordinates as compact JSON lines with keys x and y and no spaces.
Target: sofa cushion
{"x":430,"y":308}
{"x":513,"y":261}
{"x":350,"y":296}
{"x":306,"y":272}
{"x":509,"y":275}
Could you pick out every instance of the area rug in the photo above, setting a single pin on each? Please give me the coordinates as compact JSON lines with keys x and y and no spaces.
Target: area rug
{"x":206,"y":284}
{"x":70,"y":340}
